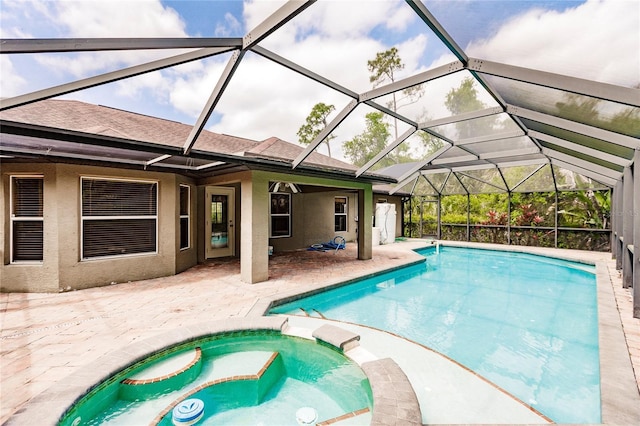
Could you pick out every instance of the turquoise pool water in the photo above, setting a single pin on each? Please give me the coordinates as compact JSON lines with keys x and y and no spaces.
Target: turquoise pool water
{"x":302,"y":373}
{"x":527,"y":323}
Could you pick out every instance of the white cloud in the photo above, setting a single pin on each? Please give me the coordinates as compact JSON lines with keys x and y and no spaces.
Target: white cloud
{"x":190,"y":91}
{"x":231,"y":25}
{"x":598,"y":40}
{"x":140,"y":18}
{"x":88,"y":19}
{"x":11,"y":83}
{"x":266,"y":100}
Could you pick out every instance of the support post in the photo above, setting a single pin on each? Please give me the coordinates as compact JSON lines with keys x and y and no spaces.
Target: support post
{"x":254,"y":255}
{"x":365,"y":223}
{"x":635,"y":264}
{"x":439,"y":232}
{"x":618,"y":213}
{"x":613,"y":222}
{"x":627,"y":228}
{"x":468,"y":217}
{"x":509,"y":218}
{"x":555,"y":221}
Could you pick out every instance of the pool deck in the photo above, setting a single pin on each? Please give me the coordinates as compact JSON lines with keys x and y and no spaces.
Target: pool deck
{"x":46,"y":337}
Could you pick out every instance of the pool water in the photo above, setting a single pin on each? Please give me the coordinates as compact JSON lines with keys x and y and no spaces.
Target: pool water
{"x":526,"y":323}
{"x":300,"y":373}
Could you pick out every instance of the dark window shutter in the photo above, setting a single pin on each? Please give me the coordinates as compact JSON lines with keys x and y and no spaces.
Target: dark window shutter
{"x":27,"y":197}
{"x":120,"y":234}
{"x":118,"y":237}
{"x":118,"y":198}
{"x":27,"y":240}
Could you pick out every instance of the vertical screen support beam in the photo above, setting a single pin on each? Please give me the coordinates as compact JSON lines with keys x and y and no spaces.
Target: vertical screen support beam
{"x":616,"y":224}
{"x":619,"y":216}
{"x":627,"y":228}
{"x":636,"y":235}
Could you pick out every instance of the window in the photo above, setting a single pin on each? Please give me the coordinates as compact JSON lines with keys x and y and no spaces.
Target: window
{"x":341,"y":214}
{"x":185,"y":213}
{"x":27,"y":221}
{"x":280,"y":212}
{"x":118,"y":217}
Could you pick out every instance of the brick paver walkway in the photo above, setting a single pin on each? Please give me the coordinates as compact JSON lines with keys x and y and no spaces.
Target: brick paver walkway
{"x":45,"y":337}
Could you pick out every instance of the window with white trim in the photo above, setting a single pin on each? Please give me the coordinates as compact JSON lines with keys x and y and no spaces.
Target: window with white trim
{"x":340,"y":214}
{"x":185,"y":216}
{"x":27,"y":221}
{"x":119,"y":217}
{"x":280,"y":212}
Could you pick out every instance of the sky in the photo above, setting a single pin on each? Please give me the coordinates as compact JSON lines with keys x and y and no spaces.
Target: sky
{"x":593,"y":39}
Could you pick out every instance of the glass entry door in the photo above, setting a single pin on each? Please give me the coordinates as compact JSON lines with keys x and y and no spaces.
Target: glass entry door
{"x":219,"y":215}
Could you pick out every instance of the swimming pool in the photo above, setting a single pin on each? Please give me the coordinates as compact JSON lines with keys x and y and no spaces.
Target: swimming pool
{"x":241,"y":378}
{"x":527,"y":323}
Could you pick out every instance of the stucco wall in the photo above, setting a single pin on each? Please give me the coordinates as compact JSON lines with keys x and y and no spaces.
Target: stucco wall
{"x":313,"y":220}
{"x":35,"y":277}
{"x":62,"y":269}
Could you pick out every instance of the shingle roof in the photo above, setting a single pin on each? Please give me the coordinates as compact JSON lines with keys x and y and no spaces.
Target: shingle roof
{"x":102,"y":120}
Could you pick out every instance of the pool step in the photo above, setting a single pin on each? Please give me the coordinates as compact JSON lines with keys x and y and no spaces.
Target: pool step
{"x":172,"y":372}
{"x":337,"y":337}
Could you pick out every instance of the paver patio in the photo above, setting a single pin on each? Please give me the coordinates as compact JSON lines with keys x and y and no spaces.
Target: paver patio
{"x":45,"y":337}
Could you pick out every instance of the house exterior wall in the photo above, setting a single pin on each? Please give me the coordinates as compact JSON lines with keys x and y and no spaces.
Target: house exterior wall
{"x":232,"y":180}
{"x":313,"y":220}
{"x":62,"y":268}
{"x":36,"y":277}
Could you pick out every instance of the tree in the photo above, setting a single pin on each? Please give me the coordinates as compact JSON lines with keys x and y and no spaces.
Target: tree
{"x":383,"y":69}
{"x":366,"y":145}
{"x":430,"y":143}
{"x":582,"y":109}
{"x":316,"y":121}
{"x":465,"y":99}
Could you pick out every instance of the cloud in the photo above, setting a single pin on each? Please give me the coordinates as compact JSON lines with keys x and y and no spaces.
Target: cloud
{"x":11,"y":83}
{"x":89,"y":19}
{"x":140,"y":18}
{"x":231,"y":26}
{"x":598,"y":40}
{"x":266,"y":100}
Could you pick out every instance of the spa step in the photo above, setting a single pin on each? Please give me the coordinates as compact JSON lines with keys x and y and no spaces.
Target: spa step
{"x":174,"y":371}
{"x":258,"y":384}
